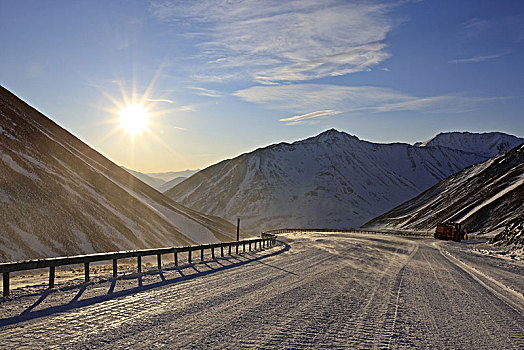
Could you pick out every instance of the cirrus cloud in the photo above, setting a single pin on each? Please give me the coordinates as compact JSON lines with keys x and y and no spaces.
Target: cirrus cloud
{"x":300,"y":118}
{"x":304,"y":98}
{"x":277,"y":41}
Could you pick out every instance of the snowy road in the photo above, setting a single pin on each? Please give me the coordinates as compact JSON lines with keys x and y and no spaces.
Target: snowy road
{"x":314,"y":290}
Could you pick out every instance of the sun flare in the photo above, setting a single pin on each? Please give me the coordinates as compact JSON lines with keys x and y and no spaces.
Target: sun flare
{"x":134,"y":118}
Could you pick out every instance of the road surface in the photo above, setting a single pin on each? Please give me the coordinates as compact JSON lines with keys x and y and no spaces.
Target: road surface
{"x":311,"y":290}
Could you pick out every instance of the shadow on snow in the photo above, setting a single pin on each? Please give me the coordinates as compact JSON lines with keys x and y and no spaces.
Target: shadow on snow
{"x":75,"y":303}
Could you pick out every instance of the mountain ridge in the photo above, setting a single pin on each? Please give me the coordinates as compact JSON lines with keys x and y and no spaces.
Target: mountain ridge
{"x":61,"y":197}
{"x":332,"y":180}
{"x":486,"y":197}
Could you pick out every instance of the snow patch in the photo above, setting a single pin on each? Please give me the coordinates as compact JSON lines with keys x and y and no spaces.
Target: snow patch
{"x":508,"y":189}
{"x":14,"y":165}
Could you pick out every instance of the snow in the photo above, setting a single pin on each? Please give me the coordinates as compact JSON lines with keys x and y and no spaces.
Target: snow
{"x":485,"y":144}
{"x":331,"y":180}
{"x":511,"y":187}
{"x":311,"y":291}
{"x":16,"y":167}
{"x":7,"y":134}
{"x":464,"y":195}
{"x":32,"y":241}
{"x":73,"y":200}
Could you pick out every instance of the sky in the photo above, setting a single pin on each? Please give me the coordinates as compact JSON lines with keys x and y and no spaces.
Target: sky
{"x":221,"y":78}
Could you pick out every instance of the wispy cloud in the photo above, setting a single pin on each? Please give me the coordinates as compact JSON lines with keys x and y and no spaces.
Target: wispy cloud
{"x":475,"y":26}
{"x":354,"y":60}
{"x":478,"y":58}
{"x":277,"y":41}
{"x":158,"y":100}
{"x":302,"y":98}
{"x":206,"y":92}
{"x":301,"y":118}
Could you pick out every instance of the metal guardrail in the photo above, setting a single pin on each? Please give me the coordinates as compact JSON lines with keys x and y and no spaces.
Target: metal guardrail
{"x":267,"y":240}
{"x":353,"y":230}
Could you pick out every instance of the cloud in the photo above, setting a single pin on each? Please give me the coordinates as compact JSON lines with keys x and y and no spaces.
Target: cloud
{"x":478,"y":58}
{"x":282,"y":41}
{"x":206,"y":92}
{"x":302,"y":98}
{"x":354,"y":60}
{"x":475,"y":26}
{"x":158,"y":100}
{"x":318,"y":114}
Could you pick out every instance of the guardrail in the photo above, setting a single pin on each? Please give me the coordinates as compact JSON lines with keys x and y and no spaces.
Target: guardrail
{"x":352,"y":230}
{"x":267,"y":240}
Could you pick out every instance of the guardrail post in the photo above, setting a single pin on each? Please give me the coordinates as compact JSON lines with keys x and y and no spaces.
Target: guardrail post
{"x":159,"y":261}
{"x":238,"y":229}
{"x":249,"y":246}
{"x":86,"y":271}
{"x":51,"y":277}
{"x":5,"y":278}
{"x":176,"y":258}
{"x":237,"y":248}
{"x":189,"y":256}
{"x":244,"y":247}
{"x":222,"y":251}
{"x":202,"y":254}
{"x":139,"y":264}
{"x":213,"y":253}
{"x":115,"y":267}
{"x":229,"y":249}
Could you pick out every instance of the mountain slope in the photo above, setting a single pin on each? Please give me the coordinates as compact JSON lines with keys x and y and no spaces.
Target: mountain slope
{"x":485,"y":144}
{"x":485,"y":197}
{"x":60,"y":197}
{"x":333,"y":180}
{"x":154,"y":182}
{"x":170,"y":184}
{"x":171,"y":175}
{"x":162,"y":181}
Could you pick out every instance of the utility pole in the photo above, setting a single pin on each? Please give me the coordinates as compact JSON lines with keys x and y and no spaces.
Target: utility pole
{"x":238,"y":229}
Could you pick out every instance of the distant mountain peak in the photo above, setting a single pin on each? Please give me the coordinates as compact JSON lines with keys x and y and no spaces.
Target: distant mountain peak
{"x":333,"y":179}
{"x":486,"y":144}
{"x":330,"y":135}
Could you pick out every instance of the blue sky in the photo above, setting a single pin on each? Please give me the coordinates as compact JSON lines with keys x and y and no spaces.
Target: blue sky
{"x":224,"y":77}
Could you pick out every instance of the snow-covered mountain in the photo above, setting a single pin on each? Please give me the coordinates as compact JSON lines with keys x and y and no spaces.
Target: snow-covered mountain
{"x":171,"y":175}
{"x":150,"y":180}
{"x":60,"y":197}
{"x":170,"y":184}
{"x":485,"y":197}
{"x":162,"y":181}
{"x":485,"y":144}
{"x":333,"y":180}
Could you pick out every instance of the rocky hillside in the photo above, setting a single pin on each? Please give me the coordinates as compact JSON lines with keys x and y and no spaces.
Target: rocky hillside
{"x":60,"y":197}
{"x":485,"y":197}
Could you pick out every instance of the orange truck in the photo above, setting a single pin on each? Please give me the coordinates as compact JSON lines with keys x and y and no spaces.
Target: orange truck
{"x":451,"y":231}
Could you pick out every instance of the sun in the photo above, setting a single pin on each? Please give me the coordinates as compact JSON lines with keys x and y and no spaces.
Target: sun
{"x":134,"y":118}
